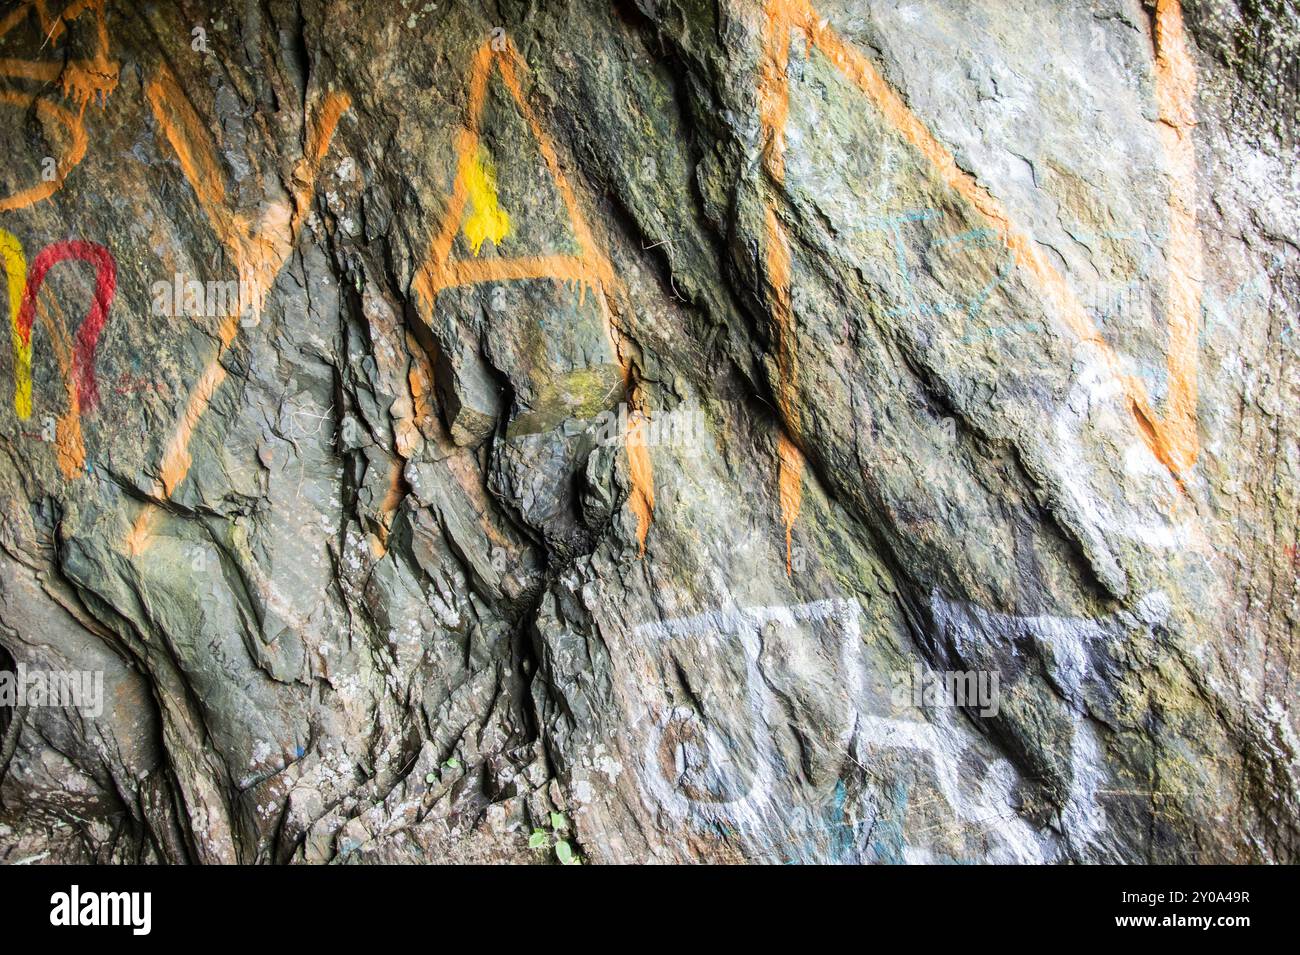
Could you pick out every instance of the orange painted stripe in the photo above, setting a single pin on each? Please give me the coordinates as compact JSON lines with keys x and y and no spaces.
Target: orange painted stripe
{"x":774,"y":87}
{"x":69,"y":446}
{"x":1173,"y":440}
{"x":259,"y":253}
{"x":53,"y":114}
{"x":189,"y":139}
{"x":1175,"y":82}
{"x":81,"y":80}
{"x":790,"y":460}
{"x":563,"y":268}
{"x":774,"y":108}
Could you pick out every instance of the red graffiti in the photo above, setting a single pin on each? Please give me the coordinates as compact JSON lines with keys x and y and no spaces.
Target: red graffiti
{"x":128,"y":384}
{"x":92,"y":325}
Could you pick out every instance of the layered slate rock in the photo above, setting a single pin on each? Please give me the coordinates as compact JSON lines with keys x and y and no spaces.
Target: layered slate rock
{"x":436,"y":423}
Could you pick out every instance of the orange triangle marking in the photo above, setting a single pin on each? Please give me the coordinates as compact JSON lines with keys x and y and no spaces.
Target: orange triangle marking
{"x":589,"y":270}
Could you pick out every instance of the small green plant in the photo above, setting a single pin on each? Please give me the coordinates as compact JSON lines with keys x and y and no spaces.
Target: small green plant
{"x":450,"y":763}
{"x":541,"y":839}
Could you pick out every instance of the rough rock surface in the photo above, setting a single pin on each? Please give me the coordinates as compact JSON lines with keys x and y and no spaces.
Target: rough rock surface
{"x":974,"y":323}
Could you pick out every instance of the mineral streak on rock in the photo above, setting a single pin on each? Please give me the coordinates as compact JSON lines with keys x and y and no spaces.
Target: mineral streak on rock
{"x":982,"y":316}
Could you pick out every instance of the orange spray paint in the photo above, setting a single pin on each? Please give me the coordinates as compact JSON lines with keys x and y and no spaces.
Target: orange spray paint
{"x":259,"y":249}
{"x":589,"y":270}
{"x":1172,"y":439}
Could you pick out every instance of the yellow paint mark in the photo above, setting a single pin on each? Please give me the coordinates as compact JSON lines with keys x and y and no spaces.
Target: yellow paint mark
{"x":259,"y":249}
{"x":489,"y":220}
{"x":69,"y":448}
{"x":588,"y":270}
{"x":15,"y":263}
{"x":1172,"y":439}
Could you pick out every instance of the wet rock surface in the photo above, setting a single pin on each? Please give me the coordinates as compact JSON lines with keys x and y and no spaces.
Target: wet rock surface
{"x":545,"y":430}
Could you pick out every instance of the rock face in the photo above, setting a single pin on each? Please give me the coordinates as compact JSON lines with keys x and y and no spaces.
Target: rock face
{"x":673,"y":431}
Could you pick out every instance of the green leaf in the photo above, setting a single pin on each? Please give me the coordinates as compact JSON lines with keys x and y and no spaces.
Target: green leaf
{"x":564,"y":852}
{"x":430,"y":778}
{"x":537,"y":839}
{"x":559,"y":821}
{"x":452,"y":763}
